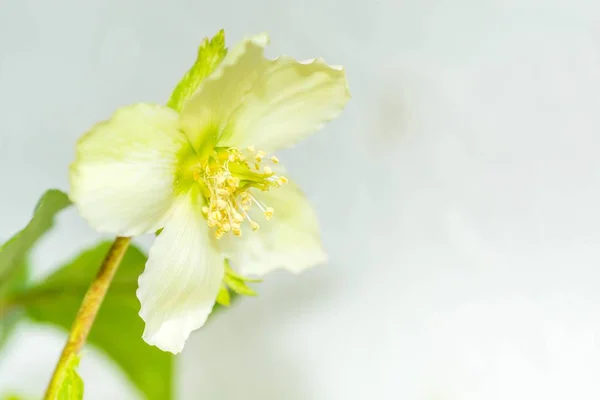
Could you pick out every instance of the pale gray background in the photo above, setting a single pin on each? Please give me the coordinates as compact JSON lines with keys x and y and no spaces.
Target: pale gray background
{"x":458,"y":193}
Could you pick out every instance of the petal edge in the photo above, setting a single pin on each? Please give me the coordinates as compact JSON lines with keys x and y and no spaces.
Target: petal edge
{"x":124,"y":170}
{"x":287,"y":103}
{"x":290,"y":240}
{"x":182,"y":278}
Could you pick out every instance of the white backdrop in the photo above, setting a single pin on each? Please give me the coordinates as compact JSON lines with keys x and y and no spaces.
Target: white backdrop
{"x":458,"y":193}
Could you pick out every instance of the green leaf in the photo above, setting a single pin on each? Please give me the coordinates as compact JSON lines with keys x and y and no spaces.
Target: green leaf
{"x":118,"y":328}
{"x":9,"y":314}
{"x":9,"y":318}
{"x":14,"y":252}
{"x":72,"y":387}
{"x":13,"y":256}
{"x":210,"y":54}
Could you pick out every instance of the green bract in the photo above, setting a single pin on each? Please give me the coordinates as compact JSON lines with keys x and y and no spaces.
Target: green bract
{"x":210,"y":54}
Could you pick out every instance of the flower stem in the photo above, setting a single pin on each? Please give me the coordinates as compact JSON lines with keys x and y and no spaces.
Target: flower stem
{"x":87,"y":313}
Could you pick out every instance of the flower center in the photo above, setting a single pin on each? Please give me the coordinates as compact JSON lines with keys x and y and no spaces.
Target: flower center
{"x":229,"y":175}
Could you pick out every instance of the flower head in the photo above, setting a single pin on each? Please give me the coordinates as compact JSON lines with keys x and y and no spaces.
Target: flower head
{"x":202,"y":170}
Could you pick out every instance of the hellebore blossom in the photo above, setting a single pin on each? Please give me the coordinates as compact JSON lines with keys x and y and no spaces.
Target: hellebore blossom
{"x":206,"y":176}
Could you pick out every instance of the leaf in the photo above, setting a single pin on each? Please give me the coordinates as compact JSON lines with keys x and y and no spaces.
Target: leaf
{"x":9,"y":314}
{"x":13,"y":256}
{"x":14,"y":252}
{"x":72,"y":387}
{"x":118,"y":329}
{"x":210,"y":54}
{"x":9,"y":318}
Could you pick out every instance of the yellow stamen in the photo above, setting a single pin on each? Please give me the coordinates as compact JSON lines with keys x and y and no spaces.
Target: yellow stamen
{"x":233,"y":182}
{"x":237,"y":217}
{"x":229,"y":176}
{"x":258,"y":157}
{"x":221,"y":204}
{"x":268,"y":213}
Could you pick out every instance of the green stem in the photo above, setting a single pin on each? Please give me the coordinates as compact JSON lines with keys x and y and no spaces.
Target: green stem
{"x":87,"y":314}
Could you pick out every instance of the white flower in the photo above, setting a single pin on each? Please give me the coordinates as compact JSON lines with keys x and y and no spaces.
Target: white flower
{"x":205,"y":175}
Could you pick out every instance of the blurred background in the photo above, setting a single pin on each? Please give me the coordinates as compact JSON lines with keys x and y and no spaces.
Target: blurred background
{"x":458,"y":193}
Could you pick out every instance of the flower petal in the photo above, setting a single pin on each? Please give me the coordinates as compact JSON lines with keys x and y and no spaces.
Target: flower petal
{"x":286,"y":104}
{"x":123,"y":174}
{"x":290,"y":240}
{"x":182,"y":278}
{"x":206,"y":113}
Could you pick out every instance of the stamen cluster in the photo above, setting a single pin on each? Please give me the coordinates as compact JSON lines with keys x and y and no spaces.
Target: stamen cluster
{"x":229,"y":175}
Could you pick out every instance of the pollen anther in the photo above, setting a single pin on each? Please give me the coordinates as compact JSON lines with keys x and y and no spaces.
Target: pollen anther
{"x":229,"y":178}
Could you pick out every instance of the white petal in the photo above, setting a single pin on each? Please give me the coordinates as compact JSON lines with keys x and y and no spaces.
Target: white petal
{"x":290,"y":240}
{"x":206,"y":113}
{"x":182,"y":278}
{"x":123,"y":174}
{"x":286,"y":104}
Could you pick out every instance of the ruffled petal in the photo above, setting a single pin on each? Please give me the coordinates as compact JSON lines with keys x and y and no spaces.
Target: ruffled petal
{"x":183,"y":275}
{"x":286,"y":104}
{"x":205,"y":114}
{"x":122,"y":179}
{"x":290,"y":240}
